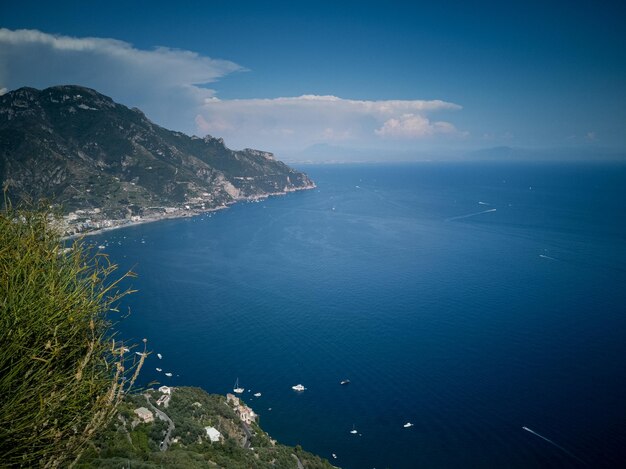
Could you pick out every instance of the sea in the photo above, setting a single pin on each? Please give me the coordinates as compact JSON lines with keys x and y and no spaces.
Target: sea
{"x":482,"y":303}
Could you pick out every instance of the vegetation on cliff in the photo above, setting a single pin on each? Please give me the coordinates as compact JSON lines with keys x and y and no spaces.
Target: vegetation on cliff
{"x":101,"y":161}
{"x":127,"y":442}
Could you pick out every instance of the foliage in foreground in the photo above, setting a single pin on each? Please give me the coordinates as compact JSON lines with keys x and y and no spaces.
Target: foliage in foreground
{"x":61,"y":374}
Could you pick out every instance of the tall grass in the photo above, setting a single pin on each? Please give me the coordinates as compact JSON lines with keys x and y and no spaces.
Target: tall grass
{"x":62,"y":375}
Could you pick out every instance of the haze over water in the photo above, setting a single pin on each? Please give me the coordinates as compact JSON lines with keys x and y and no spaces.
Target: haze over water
{"x":468,"y":299}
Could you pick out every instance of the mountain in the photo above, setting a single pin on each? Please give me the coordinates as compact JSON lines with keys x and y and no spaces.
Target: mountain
{"x":106,"y":164}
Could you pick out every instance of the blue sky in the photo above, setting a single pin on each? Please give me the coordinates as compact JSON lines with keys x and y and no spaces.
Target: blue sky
{"x":384,"y":75}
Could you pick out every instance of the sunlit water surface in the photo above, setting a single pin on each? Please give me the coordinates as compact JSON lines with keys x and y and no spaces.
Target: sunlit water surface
{"x":468,"y":299}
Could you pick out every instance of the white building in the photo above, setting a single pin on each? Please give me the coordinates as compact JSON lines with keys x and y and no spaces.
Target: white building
{"x":213,"y":434}
{"x":164,"y":400}
{"x":165,"y":390}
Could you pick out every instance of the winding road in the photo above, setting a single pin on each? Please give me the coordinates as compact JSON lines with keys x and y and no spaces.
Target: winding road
{"x":165,"y":444}
{"x":247,"y":433}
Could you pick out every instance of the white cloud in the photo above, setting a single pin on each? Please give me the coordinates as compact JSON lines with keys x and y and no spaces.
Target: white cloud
{"x":291,"y":122}
{"x":169,"y":85}
{"x":165,"y":83}
{"x":414,"y":126}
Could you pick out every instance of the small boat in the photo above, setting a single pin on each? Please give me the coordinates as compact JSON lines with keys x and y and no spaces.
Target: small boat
{"x":334,"y":456}
{"x":353,"y":431}
{"x":408,"y":425}
{"x":257,"y":394}
{"x":139,"y":353}
{"x":298,"y":387}
{"x":159,"y":370}
{"x":344,"y":382}
{"x":237,"y":389}
{"x":126,"y":349}
{"x":159,"y":355}
{"x":168,"y":374}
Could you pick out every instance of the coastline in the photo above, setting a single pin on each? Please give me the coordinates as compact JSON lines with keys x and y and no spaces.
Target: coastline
{"x":182,"y":211}
{"x":180,"y":424}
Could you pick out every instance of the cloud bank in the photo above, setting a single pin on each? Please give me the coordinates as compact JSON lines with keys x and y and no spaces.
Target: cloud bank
{"x":170,"y":86}
{"x":167,"y":84}
{"x":299,"y":121}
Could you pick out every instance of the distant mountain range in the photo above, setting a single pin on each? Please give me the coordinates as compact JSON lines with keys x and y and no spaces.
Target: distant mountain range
{"x":106,"y":164}
{"x":325,"y":153}
{"x":583,"y":153}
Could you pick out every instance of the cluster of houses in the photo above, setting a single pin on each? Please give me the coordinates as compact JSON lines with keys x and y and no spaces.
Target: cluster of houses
{"x":245,"y":413}
{"x":166,"y":395}
{"x":145,"y":415}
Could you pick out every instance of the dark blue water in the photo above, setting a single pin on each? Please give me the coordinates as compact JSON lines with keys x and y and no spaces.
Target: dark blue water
{"x":470,"y":327}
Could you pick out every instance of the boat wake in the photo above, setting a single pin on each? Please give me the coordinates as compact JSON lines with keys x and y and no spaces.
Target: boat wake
{"x":547,"y":257}
{"x":470,"y":215}
{"x":554,"y":444}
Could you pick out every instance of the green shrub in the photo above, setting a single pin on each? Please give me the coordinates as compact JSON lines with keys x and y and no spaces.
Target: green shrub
{"x":61,"y":373}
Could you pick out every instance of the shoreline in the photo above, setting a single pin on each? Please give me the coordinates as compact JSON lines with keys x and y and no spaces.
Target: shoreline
{"x":181,"y":212}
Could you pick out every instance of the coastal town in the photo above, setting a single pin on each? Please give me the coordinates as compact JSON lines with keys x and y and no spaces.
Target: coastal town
{"x":95,"y":220}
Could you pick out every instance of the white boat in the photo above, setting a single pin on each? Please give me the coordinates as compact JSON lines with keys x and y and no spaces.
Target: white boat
{"x":334,"y":456}
{"x":139,"y":353}
{"x":159,"y":355}
{"x":237,"y":389}
{"x":159,"y":370}
{"x":257,"y":394}
{"x":353,"y":431}
{"x":168,"y":374}
{"x":408,"y":425}
{"x":298,"y":387}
